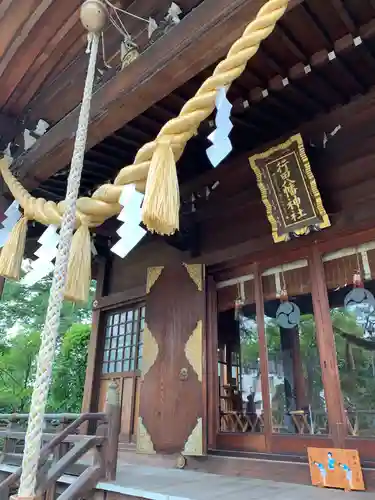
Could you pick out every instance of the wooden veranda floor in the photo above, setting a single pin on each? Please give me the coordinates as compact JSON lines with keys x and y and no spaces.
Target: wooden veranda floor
{"x":155,"y":483}
{"x":135,"y":481}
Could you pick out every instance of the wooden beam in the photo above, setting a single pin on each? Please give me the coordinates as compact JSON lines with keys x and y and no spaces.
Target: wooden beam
{"x":56,"y":38}
{"x":37,"y":10}
{"x":130,"y":295}
{"x":58,"y":86}
{"x":201,"y":38}
{"x":344,"y":172}
{"x":4,"y":6}
{"x":13,"y":18}
{"x":362,"y":108}
{"x":10,"y":127}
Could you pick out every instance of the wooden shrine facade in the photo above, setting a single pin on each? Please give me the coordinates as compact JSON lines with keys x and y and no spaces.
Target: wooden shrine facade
{"x":218,"y":379}
{"x":187,"y":325}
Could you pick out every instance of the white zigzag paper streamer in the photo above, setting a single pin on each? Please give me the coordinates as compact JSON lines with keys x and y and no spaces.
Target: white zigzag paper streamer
{"x":46,"y":253}
{"x":130,"y":232}
{"x":221,"y":144}
{"x":12,"y":216}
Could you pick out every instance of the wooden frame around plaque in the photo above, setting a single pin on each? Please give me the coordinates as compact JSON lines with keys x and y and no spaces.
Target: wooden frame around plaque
{"x":335,"y":468}
{"x":288,"y":190}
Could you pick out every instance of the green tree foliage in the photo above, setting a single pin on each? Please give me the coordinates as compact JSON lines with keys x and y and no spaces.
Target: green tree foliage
{"x":249,"y":344}
{"x":26,"y":307}
{"x":355,"y":362}
{"x":17,"y":367}
{"x":22,"y":313}
{"x":70,"y":369}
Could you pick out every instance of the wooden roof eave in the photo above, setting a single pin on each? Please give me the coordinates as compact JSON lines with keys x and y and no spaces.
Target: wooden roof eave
{"x":201,"y":38}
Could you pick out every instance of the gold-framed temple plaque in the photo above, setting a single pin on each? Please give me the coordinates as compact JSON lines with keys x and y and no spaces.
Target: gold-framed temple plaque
{"x":289,"y":191}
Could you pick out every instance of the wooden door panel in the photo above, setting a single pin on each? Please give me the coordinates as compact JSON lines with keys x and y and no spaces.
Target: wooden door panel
{"x":171,"y":402}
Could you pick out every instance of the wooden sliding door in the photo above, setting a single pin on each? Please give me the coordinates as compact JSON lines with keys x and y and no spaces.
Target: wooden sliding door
{"x":353,"y":342}
{"x":277,"y":384}
{"x":239,"y":380}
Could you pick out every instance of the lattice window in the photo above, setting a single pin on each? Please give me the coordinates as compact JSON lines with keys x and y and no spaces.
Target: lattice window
{"x":123,"y":340}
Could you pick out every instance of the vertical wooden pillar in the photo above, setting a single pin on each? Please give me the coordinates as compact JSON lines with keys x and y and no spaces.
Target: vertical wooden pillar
{"x":327,"y":351}
{"x":91,"y":382}
{"x":294,"y":379}
{"x":298,"y":375}
{"x":258,"y":286}
{"x":287,"y":360}
{"x":212,"y":364}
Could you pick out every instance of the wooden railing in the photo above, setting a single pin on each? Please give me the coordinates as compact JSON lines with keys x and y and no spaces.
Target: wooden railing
{"x":62,"y":452}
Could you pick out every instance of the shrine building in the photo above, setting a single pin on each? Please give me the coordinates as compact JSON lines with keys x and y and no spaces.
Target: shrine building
{"x":248,"y":336}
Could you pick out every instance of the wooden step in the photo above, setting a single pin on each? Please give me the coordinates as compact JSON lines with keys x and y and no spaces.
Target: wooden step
{"x":125,"y":446}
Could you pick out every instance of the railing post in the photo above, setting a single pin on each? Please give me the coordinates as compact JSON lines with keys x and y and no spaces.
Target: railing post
{"x":60,"y":450}
{"x":63,"y":448}
{"x":113,"y":412}
{"x":10,"y":444}
{"x":5,"y":491}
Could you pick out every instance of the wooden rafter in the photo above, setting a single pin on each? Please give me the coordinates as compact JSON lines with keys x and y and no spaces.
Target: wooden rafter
{"x":363,"y":108}
{"x":10,"y":126}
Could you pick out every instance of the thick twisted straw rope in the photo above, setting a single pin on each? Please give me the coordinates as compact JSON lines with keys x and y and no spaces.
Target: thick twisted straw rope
{"x":104,"y":201}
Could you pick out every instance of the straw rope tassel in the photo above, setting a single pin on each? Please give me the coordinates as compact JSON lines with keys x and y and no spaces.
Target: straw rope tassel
{"x":12,"y":253}
{"x":104,"y":201}
{"x":48,"y":339}
{"x":161,"y":204}
{"x":78,"y":280}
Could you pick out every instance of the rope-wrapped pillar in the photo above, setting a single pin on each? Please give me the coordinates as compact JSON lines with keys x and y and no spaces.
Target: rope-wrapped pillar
{"x":93,"y":16}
